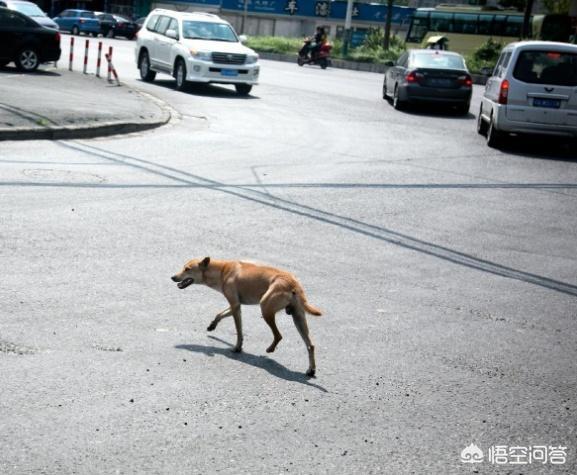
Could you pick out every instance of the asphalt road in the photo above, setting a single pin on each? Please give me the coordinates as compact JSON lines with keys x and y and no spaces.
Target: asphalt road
{"x":446,"y":271}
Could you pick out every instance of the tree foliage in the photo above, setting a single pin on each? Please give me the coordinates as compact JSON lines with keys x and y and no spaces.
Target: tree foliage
{"x":513,"y":4}
{"x":557,"y":6}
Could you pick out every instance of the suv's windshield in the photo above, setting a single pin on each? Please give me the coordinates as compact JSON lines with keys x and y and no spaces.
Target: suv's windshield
{"x":204,"y":30}
{"x":547,"y":67}
{"x":437,"y":61}
{"x":29,"y":9}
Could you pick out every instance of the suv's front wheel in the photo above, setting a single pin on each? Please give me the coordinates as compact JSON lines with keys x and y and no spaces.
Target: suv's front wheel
{"x":243,"y":89}
{"x":180,"y":75}
{"x":144,"y":67}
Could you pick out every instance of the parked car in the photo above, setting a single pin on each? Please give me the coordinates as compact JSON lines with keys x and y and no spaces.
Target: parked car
{"x":125,"y":27}
{"x":139,"y":22}
{"x":25,"y":42}
{"x":533,"y":90}
{"x":432,"y":76}
{"x":31,"y":10}
{"x":107,"y":23}
{"x":195,"y":47}
{"x":78,"y":21}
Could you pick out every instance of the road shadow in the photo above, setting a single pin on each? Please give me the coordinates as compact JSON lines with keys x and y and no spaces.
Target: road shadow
{"x":439,"y":111}
{"x":541,"y":147}
{"x":258,"y":361}
{"x":206,"y":90}
{"x":39,"y":72}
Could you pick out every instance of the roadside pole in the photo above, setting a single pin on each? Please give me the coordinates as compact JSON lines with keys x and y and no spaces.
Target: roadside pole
{"x":348,"y":22}
{"x":244,"y":15}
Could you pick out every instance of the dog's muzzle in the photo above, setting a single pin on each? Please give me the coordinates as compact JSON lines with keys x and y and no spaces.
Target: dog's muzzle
{"x":185,"y":283}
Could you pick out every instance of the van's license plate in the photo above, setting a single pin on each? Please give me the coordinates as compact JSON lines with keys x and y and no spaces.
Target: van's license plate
{"x":550,"y":103}
{"x":229,"y":72}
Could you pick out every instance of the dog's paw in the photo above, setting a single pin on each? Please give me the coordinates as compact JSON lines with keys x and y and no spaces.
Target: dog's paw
{"x":236,"y":349}
{"x":211,"y":327}
{"x":271,"y":348}
{"x":311,"y":373}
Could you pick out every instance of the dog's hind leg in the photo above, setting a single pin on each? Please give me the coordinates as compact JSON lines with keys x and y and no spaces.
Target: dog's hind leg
{"x":218,"y":318}
{"x":300,"y":321}
{"x":235,"y":309}
{"x":275,"y":299}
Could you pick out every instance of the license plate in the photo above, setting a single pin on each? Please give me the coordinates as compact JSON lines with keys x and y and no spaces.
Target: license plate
{"x":439,"y":82}
{"x":550,"y":103}
{"x":229,"y":72}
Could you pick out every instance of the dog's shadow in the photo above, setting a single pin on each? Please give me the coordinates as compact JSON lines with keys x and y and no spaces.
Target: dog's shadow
{"x":262,"y":362}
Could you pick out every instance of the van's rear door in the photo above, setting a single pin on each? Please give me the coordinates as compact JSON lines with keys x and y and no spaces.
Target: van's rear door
{"x":544,"y":87}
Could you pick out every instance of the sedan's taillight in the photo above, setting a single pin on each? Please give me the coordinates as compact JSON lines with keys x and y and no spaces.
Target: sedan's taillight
{"x":57,"y":37}
{"x":466,"y":80}
{"x":414,"y":77}
{"x":504,"y":92}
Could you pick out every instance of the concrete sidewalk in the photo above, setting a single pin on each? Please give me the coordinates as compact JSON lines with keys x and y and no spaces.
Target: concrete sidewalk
{"x":58,"y":104}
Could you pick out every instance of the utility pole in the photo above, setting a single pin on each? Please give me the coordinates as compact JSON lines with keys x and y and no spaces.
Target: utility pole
{"x":348,"y":22}
{"x":387,"y":39}
{"x":527,"y":19}
{"x":244,"y":15}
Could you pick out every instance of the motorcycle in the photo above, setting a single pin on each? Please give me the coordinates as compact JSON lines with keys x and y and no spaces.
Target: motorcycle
{"x":321,"y":56}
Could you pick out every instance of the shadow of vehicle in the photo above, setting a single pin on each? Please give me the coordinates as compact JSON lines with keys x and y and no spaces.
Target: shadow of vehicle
{"x":11,"y":69}
{"x":206,"y":90}
{"x":440,"y":111}
{"x":540,"y":147}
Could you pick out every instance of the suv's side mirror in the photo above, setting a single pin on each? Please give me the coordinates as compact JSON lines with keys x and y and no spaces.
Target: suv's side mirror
{"x":243,"y":38}
{"x":172,"y":34}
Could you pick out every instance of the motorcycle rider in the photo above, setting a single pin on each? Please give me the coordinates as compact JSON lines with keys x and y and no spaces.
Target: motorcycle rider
{"x":319,"y":38}
{"x":313,"y":45}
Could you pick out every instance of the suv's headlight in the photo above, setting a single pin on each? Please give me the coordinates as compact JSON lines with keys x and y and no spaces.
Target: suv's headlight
{"x":251,"y":58}
{"x":201,"y":55}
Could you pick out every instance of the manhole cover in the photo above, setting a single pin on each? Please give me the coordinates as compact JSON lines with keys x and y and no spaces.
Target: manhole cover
{"x":13,"y":348}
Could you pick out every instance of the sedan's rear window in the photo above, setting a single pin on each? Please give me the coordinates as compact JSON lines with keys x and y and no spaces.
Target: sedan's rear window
{"x":547,"y":67}
{"x":437,"y":61}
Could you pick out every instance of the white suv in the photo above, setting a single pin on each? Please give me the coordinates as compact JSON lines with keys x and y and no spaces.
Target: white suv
{"x":196,"y":47}
{"x":533,"y":90}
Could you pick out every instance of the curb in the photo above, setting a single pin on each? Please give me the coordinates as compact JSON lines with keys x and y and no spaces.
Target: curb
{"x":89,"y":131}
{"x":378,"y":68}
{"x":77,"y":132}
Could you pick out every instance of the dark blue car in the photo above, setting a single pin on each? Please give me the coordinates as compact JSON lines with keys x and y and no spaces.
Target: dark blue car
{"x":78,"y":21}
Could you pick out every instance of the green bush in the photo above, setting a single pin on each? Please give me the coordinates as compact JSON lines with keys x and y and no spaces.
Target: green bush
{"x":274,"y":44}
{"x":484,"y":57}
{"x":371,"y":51}
{"x":488,"y":51}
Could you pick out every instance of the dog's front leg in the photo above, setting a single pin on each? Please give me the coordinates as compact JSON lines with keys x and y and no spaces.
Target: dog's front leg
{"x":218,"y":318}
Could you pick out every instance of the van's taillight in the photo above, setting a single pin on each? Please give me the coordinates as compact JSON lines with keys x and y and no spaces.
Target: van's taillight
{"x":466,"y":80}
{"x":504,"y":92}
{"x":57,"y":37}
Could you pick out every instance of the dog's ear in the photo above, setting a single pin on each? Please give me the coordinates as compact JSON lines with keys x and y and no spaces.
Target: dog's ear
{"x":204,"y":263}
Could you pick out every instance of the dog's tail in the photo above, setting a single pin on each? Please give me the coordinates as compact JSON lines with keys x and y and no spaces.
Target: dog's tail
{"x":310,"y":309}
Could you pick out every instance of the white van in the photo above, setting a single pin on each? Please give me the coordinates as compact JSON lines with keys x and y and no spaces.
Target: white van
{"x":533,"y":90}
